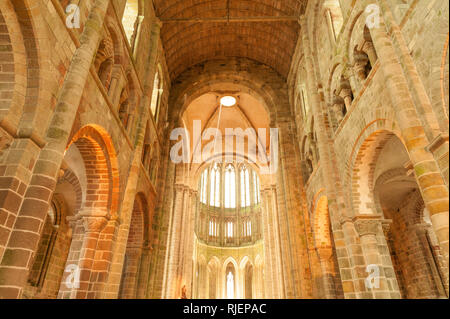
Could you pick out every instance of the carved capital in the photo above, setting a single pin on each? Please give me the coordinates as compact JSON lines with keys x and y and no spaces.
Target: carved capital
{"x":367,"y":225}
{"x":94,"y":224}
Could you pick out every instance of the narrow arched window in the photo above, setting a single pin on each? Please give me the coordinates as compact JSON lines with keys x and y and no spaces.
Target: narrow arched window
{"x":230,"y":187}
{"x":245,"y":187}
{"x":156,"y":95}
{"x":256,"y":187}
{"x":334,"y":18}
{"x":229,"y":229}
{"x":130,"y":20}
{"x":203,"y":186}
{"x":214,"y":199}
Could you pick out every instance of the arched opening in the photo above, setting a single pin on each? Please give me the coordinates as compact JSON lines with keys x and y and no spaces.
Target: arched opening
{"x":42,"y":258}
{"x":128,"y":101}
{"x":227,"y":181}
{"x":92,"y":156}
{"x":104,"y":61}
{"x":49,"y":262}
{"x":413,"y":245}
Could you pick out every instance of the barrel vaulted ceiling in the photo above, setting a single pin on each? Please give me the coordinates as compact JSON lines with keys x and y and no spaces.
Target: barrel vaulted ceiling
{"x":195,"y":31}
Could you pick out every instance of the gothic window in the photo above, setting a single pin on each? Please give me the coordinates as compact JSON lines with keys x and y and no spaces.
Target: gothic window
{"x":203,"y":187}
{"x":230,"y":187}
{"x":214,"y":196}
{"x":248,"y":228}
{"x":225,"y":190}
{"x":229,"y":230}
{"x":334,"y":18}
{"x":156,"y":96}
{"x":256,"y":188}
{"x":245,"y":187}
{"x":147,"y":149}
{"x":213,"y":228}
{"x":130,"y":20}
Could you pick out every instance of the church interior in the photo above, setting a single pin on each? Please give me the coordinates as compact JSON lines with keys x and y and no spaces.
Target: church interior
{"x":224,"y":149}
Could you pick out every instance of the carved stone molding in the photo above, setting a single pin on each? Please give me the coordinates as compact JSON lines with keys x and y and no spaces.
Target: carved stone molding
{"x":368,"y":225}
{"x":94,"y":224}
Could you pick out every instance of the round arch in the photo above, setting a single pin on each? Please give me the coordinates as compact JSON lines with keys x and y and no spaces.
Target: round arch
{"x":253,"y":78}
{"x":99,"y":155}
{"x":322,"y":233}
{"x":362,"y":160}
{"x":23,"y":20}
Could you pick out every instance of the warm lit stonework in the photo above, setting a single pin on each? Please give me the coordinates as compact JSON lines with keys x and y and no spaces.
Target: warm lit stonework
{"x":96,"y":95}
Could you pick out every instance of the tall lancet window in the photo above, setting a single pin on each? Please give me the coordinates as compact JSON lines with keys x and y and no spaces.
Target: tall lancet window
{"x":214,"y":199}
{"x":230,"y":187}
{"x":229,"y":229}
{"x":203,"y":187}
{"x":245,"y":187}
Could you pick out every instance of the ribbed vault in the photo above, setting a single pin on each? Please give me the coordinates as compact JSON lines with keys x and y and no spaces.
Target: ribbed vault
{"x":199,"y":30}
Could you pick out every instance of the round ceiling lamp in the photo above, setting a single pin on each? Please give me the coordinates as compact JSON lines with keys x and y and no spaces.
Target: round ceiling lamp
{"x":228,"y":101}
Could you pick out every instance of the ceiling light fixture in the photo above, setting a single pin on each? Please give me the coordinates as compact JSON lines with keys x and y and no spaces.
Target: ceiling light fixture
{"x":228,"y":101}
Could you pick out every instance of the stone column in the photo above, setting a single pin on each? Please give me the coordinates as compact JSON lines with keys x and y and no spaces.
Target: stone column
{"x":345,"y":92}
{"x":274,"y":272}
{"x":189,"y":242}
{"x":113,"y":284}
{"x":268,"y":281}
{"x":93,"y":225}
{"x":431,"y":183}
{"x":370,"y":230}
{"x":172,"y":280}
{"x":325,"y":259}
{"x":290,"y":214}
{"x":24,"y":238}
{"x":88,"y":226}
